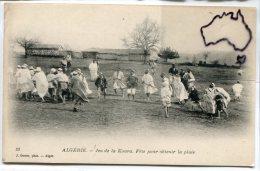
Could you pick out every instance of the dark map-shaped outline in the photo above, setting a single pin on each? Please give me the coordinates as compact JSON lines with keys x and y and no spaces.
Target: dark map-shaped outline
{"x":225,"y":38}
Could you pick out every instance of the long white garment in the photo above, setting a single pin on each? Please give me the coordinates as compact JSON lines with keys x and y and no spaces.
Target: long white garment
{"x":41,"y":83}
{"x":25,"y":75}
{"x":149,"y":86}
{"x":93,"y":68}
{"x":86,"y":84}
{"x":32,"y":73}
{"x":62,"y":77}
{"x":165,"y":79}
{"x":166,"y":96}
{"x":179,"y":91}
{"x":25,"y":83}
{"x":118,"y":78}
{"x":17,"y":78}
{"x":208,"y":102}
{"x":223,"y":93}
{"x":192,"y":78}
{"x":51,"y":78}
{"x":237,"y":89}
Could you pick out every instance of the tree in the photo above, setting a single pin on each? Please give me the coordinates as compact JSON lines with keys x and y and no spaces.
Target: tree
{"x":145,"y":36}
{"x":168,"y":53}
{"x":26,"y":44}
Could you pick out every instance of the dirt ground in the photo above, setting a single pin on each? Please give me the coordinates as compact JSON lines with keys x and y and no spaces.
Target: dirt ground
{"x":117,"y":116}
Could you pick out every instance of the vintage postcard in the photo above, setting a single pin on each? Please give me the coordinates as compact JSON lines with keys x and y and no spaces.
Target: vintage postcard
{"x":129,"y":84}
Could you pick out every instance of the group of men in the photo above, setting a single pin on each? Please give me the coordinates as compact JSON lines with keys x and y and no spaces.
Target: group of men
{"x":214,"y":100}
{"x":176,"y":85}
{"x":32,"y":81}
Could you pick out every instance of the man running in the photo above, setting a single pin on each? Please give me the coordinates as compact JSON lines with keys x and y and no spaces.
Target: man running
{"x":132,"y":82}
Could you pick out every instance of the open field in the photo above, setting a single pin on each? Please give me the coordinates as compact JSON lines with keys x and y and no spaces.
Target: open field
{"x":118,"y":116}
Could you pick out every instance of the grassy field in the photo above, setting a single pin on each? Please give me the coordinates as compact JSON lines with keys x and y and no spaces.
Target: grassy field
{"x":118,"y":116}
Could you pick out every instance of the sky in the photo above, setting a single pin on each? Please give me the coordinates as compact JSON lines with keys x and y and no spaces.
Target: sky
{"x":103,"y":26}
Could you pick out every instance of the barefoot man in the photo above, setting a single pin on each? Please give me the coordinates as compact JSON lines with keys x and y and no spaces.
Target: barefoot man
{"x":118,"y":78}
{"x":132,"y":82}
{"x":149,"y":87}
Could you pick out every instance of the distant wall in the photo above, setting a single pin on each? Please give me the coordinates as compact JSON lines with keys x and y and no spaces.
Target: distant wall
{"x":45,"y":52}
{"x":107,"y":56}
{"x":91,"y":55}
{"x":131,"y":57}
{"x":76,"y":54}
{"x":135,"y":57}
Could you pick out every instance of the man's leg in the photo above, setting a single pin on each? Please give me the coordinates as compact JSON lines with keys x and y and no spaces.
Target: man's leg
{"x":218,"y":113}
{"x":60,"y":95}
{"x":122,"y":90}
{"x":225,"y":111}
{"x":199,"y":105}
{"x":63,"y":94}
{"x":148,"y":96}
{"x":55,"y":95}
{"x":99,"y":92}
{"x":133,"y":93}
{"x":128,"y":91}
{"x":26,"y":96}
{"x":42,"y":99}
{"x":166,"y":111}
{"x":105,"y":92}
{"x":75,"y":109}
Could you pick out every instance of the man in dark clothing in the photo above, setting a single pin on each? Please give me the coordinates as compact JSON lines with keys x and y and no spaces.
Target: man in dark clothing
{"x":173,"y":70}
{"x":182,"y":72}
{"x":132,"y":82}
{"x":101,"y":84}
{"x":220,"y":105}
{"x":194,"y":97}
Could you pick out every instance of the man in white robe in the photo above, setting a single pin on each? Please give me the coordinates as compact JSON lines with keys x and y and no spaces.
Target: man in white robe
{"x":118,"y":79}
{"x":52,"y":84}
{"x":93,"y":68}
{"x":237,"y":89}
{"x":31,"y":71}
{"x":165,"y":79}
{"x":63,"y":81}
{"x":149,"y":87}
{"x":179,"y":91}
{"x":208,"y":103}
{"x":83,"y":78}
{"x":41,"y":83}
{"x":17,"y":78}
{"x":166,"y":93}
{"x":25,"y":83}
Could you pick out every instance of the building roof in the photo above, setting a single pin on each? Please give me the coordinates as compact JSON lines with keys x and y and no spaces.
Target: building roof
{"x":46,"y":46}
{"x":116,"y":51}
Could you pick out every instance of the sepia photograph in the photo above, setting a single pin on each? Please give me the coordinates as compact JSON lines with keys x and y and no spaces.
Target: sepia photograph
{"x":129,"y":84}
